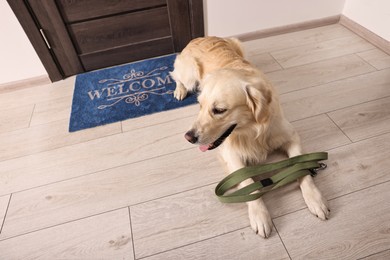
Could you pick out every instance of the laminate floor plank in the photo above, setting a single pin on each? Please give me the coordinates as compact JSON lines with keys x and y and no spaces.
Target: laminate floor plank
{"x":318,"y":73}
{"x":379,"y":256}
{"x":240,"y":244}
{"x":16,"y":118}
{"x":336,"y":95}
{"x":314,"y":52}
{"x":108,"y":190}
{"x":47,"y":137}
{"x":105,"y":236}
{"x":265,"y":62}
{"x":51,"y":111}
{"x":376,"y":58}
{"x":191,"y":216}
{"x":3,"y":208}
{"x":364,"y":120}
{"x":319,"y":133}
{"x":92,"y":156}
{"x":353,"y":231}
{"x":295,"y":39}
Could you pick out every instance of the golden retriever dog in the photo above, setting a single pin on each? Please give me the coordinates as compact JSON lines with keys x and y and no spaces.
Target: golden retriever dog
{"x":239,"y":110}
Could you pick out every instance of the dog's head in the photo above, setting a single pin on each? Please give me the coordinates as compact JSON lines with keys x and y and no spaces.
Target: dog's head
{"x":231,"y":101}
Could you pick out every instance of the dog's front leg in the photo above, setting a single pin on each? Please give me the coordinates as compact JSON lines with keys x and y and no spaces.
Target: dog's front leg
{"x":180,"y":91}
{"x":314,"y":200}
{"x":259,"y":217}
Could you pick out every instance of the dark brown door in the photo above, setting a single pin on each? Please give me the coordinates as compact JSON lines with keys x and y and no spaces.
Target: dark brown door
{"x":77,"y":36}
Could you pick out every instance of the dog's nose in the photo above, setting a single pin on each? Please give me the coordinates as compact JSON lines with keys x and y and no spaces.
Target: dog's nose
{"x":190,"y":136}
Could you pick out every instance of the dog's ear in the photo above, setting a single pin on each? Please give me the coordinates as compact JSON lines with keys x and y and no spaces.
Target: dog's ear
{"x":258,"y":100}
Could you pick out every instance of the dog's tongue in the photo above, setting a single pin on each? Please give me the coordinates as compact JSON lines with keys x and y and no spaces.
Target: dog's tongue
{"x":203,"y":147}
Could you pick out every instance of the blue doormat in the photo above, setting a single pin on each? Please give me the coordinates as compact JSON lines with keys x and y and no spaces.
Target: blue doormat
{"x":126,"y":91}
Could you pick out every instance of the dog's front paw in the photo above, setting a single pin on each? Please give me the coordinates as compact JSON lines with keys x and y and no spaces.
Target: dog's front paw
{"x":180,"y":92}
{"x":316,"y":203}
{"x":260,"y":219}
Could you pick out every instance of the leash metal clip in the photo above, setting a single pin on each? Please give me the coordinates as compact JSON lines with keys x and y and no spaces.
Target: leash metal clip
{"x":314,"y":171}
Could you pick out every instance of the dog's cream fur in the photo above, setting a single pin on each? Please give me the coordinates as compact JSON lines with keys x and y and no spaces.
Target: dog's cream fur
{"x":235,"y":92}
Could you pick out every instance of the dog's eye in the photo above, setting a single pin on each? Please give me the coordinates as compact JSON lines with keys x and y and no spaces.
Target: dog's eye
{"x":218,"y":111}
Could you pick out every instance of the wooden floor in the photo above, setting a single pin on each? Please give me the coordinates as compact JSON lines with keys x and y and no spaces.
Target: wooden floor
{"x":137,"y":190}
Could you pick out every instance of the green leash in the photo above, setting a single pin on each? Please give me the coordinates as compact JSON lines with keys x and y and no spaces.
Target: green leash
{"x":289,"y":171}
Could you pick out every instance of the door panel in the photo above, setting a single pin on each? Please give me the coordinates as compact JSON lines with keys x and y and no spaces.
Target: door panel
{"x":73,"y":10}
{"x":180,"y":23}
{"x":120,"y":30}
{"x":84,"y":35}
{"x":126,"y":53}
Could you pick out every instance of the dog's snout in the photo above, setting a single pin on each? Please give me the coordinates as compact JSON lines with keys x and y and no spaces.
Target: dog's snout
{"x":191,"y":137}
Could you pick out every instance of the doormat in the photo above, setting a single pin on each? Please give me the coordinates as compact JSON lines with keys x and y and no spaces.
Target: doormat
{"x":126,"y":91}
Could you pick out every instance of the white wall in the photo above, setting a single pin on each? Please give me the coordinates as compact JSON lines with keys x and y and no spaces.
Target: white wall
{"x":234,"y":17}
{"x":371,"y":14}
{"x":18,"y":59}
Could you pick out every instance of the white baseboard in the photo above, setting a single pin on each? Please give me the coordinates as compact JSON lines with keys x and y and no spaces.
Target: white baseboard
{"x":366,"y":34}
{"x":288,"y":28}
{"x":343,"y":20}
{"x":25,"y":83}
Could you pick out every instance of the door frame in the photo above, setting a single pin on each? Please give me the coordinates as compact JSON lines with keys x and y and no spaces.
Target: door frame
{"x":32,"y":30}
{"x":72,"y":65}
